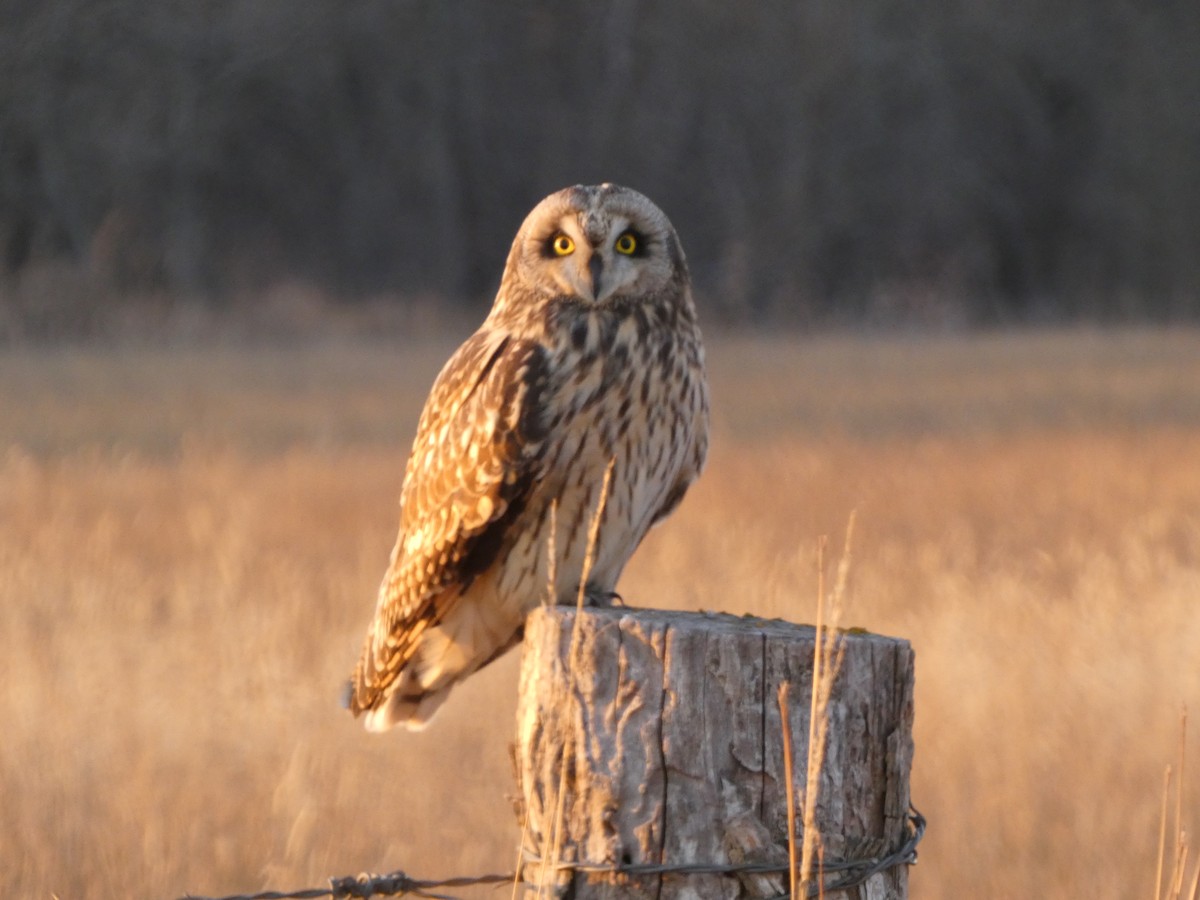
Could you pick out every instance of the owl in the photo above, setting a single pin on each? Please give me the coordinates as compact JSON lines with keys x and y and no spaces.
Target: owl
{"x":589,"y":364}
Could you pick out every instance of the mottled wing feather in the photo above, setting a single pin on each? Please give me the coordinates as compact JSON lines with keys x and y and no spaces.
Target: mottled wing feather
{"x":475,"y":459}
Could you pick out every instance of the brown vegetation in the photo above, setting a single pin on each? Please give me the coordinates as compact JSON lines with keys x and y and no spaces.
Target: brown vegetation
{"x":190,"y":542}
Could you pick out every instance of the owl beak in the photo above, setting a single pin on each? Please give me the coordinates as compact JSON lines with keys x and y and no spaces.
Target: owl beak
{"x":596,"y":268}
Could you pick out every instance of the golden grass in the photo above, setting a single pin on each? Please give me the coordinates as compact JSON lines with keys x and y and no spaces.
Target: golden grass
{"x":1177,"y":886}
{"x":190,"y":542}
{"x":829,"y":650}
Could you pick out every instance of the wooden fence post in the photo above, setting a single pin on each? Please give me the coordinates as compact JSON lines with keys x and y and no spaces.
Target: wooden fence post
{"x":669,"y":727}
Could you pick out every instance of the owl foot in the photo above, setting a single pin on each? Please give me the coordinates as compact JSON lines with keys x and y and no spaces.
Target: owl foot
{"x":605,"y":599}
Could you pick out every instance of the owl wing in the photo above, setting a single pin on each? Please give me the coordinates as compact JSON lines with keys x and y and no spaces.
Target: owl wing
{"x":474,"y":462}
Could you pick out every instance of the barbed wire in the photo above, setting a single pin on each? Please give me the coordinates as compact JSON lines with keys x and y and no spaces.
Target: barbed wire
{"x":394,"y":884}
{"x":398,"y":884}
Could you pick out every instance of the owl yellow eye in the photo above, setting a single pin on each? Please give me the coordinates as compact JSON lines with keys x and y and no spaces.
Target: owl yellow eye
{"x":626,"y":243}
{"x":562,"y":245}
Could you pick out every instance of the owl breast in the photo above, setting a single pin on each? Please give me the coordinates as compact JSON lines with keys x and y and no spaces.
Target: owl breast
{"x":632,"y":397}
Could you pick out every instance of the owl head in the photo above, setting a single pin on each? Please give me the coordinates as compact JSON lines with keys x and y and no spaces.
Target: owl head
{"x":594,"y":243}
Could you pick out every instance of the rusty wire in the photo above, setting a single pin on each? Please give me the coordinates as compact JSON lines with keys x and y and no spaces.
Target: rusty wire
{"x":398,"y":884}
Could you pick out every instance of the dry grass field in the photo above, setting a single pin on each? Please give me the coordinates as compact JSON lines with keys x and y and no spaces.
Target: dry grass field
{"x":190,"y":540}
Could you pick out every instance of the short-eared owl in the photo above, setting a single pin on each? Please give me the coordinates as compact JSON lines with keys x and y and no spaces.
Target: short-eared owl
{"x":591,"y":355}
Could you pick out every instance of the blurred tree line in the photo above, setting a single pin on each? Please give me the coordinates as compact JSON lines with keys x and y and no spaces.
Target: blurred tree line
{"x":979,"y":159}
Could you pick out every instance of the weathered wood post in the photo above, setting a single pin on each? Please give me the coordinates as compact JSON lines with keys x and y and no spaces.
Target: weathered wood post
{"x":669,"y":727}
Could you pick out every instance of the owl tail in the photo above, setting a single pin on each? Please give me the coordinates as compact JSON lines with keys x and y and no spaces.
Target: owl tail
{"x":414,"y":713}
{"x":414,"y":710}
{"x":406,"y":684}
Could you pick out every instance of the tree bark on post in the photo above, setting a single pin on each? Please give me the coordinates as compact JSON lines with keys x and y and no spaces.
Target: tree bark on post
{"x":653,"y":738}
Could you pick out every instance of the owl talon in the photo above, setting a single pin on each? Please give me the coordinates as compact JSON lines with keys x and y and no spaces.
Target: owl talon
{"x":604,"y":599}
